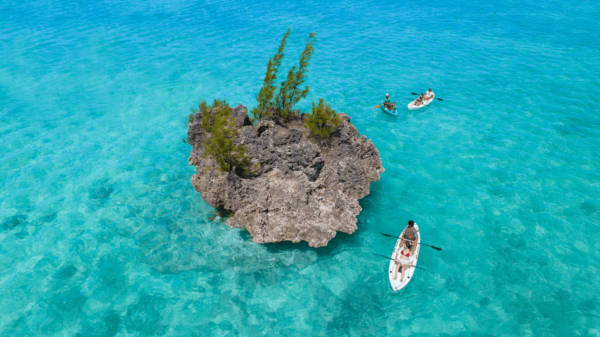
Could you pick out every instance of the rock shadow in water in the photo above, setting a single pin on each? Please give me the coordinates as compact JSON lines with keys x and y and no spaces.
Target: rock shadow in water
{"x":145,"y":315}
{"x":101,"y":192}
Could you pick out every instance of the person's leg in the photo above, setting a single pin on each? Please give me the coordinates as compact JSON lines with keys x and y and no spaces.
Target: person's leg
{"x":396,"y":272}
{"x":402,"y":275}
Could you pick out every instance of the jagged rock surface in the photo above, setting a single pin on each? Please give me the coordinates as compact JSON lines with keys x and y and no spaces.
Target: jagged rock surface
{"x":301,"y":190}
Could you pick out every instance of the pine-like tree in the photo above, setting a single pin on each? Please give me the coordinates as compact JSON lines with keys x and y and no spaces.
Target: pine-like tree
{"x":266,"y":92}
{"x":219,"y":123}
{"x":323,"y":120}
{"x":289,"y":92}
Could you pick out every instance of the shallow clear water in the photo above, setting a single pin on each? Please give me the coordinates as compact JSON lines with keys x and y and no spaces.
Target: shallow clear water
{"x":101,"y":232}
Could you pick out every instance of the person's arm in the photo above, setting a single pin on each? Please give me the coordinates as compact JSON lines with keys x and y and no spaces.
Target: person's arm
{"x":403,"y":239}
{"x":411,"y":259}
{"x":416,"y":236}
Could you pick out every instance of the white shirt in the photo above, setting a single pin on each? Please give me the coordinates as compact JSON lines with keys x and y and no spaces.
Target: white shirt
{"x":428,"y":94}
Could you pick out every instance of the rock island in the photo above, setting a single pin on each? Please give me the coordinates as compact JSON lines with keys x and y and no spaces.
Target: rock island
{"x":285,"y":175}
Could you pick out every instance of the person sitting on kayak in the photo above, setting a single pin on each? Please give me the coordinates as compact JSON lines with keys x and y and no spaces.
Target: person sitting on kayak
{"x":410,"y":235}
{"x":420,"y":100}
{"x":387,"y":103}
{"x":403,"y":260}
{"x":428,"y":95}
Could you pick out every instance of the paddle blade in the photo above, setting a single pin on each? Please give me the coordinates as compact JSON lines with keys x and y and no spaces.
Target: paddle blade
{"x":412,"y":93}
{"x":377,"y":106}
{"x":440,"y":99}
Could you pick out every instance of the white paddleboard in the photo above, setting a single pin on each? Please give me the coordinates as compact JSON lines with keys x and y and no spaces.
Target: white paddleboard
{"x":396,"y":284}
{"x":412,"y":106}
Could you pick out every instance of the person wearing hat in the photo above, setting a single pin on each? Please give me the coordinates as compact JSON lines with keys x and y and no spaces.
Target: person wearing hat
{"x":388,"y":103}
{"x":428,"y":95}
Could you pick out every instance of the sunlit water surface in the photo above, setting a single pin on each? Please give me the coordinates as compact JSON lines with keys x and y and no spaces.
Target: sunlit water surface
{"x":101,"y":232}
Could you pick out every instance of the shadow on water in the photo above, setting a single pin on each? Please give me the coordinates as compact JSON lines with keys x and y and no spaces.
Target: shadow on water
{"x":590,"y":207}
{"x":380,"y":210}
{"x":107,"y":326}
{"x":101,"y":192}
{"x":339,"y":243}
{"x":391,"y":119}
{"x":371,"y":201}
{"x":13,"y":222}
{"x":220,"y":212}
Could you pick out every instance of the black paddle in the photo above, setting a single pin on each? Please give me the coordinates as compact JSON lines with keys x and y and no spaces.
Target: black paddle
{"x":394,"y":260}
{"x":392,"y":236}
{"x":417,"y":94}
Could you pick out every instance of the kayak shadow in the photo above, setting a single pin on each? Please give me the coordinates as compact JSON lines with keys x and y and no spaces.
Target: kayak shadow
{"x":411,"y":113}
{"x":386,"y":117}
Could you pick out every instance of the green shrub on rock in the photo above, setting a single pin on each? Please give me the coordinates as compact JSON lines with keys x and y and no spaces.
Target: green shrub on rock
{"x":219,"y":124}
{"x":323,"y":120}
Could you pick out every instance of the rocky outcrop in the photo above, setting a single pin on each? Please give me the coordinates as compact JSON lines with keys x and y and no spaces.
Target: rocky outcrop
{"x":300,"y":189}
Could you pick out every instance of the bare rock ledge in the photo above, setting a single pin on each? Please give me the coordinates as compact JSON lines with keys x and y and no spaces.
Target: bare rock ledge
{"x":303,"y":190}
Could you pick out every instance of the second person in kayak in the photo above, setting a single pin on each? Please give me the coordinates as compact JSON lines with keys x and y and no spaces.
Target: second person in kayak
{"x":404,"y":260}
{"x":420,"y":100}
{"x":424,"y":98}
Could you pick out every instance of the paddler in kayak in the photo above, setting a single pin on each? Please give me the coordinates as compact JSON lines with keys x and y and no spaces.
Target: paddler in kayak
{"x":423,"y":98}
{"x":420,"y":100}
{"x":428,"y":95}
{"x":403,"y":260}
{"x":387,"y":103}
{"x":410,"y":235}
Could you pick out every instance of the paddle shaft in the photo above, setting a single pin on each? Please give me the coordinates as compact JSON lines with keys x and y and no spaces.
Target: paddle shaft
{"x":419,"y":243}
{"x":377,"y":106}
{"x":397,"y":261}
{"x":417,"y":94}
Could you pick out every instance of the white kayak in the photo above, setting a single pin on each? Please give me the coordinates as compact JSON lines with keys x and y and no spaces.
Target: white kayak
{"x":412,"y":106}
{"x":396,"y":284}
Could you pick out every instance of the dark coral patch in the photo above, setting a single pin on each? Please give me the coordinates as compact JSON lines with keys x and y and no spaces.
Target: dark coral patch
{"x":13,"y":222}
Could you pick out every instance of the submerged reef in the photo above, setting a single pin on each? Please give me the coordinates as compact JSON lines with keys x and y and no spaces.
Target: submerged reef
{"x":294,"y":186}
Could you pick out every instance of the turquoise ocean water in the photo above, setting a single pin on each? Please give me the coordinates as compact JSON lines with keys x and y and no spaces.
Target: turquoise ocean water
{"x":101,"y":232}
